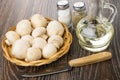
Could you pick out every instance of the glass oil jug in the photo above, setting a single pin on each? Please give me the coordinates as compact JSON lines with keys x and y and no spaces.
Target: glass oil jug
{"x":95,"y":31}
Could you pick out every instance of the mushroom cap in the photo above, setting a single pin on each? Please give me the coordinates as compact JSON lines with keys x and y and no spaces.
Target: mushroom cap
{"x":49,"y":50}
{"x":38,"y":20}
{"x":55,"y":28}
{"x":56,"y":40}
{"x":24,"y":27}
{"x":19,"y":49}
{"x":11,"y":36}
{"x":39,"y":43}
{"x":28,"y":38}
{"x":37,"y":32}
{"x":33,"y":54}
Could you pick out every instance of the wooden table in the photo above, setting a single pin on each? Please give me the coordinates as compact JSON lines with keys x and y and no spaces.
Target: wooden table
{"x":12,"y":11}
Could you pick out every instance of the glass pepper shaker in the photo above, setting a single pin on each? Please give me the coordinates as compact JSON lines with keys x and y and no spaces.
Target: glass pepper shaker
{"x":64,"y":14}
{"x":79,"y":11}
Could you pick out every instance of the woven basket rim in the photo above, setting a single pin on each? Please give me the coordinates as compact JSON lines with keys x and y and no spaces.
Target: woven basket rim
{"x":63,"y":50}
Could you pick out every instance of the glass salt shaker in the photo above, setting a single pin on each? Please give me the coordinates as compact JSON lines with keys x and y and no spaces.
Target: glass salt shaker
{"x":64,"y":14}
{"x":79,"y":11}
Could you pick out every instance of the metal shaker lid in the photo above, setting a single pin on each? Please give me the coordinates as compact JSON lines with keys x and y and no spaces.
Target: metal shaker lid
{"x":62,"y":4}
{"x":79,"y":6}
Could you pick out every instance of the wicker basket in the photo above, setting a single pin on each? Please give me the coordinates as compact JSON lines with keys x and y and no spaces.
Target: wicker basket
{"x":63,"y":50}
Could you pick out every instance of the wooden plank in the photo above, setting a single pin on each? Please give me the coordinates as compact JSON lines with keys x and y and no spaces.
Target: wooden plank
{"x":12,"y":11}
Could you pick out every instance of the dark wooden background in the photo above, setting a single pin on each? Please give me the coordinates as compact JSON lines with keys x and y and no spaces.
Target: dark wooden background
{"x":12,"y":11}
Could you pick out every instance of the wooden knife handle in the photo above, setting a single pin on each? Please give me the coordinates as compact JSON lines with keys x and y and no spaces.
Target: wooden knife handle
{"x":94,"y":58}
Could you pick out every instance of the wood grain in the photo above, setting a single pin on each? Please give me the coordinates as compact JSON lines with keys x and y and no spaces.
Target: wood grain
{"x":12,"y":11}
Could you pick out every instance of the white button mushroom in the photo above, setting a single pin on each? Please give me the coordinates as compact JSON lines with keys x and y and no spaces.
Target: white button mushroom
{"x":38,"y":20}
{"x":24,"y":27}
{"x":49,"y":50}
{"x":37,"y":32}
{"x":56,"y":40}
{"x":28,"y":38}
{"x":39,"y":43}
{"x":55,"y":28}
{"x":11,"y":36}
{"x":33,"y":54}
{"x":19,"y":49}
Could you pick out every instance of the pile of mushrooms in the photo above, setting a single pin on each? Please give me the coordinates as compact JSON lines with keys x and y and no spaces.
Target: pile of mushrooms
{"x":35,"y":39}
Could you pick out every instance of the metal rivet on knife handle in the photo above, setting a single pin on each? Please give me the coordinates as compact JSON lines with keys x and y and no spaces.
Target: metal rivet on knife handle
{"x":94,"y":58}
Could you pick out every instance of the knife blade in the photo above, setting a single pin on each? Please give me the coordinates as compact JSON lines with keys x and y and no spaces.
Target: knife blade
{"x":50,"y":70}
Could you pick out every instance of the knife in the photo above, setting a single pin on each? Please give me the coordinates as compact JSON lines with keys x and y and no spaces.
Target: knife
{"x":94,"y":58}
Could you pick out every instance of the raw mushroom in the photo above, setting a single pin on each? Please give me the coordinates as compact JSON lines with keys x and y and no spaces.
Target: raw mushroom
{"x":24,"y":27}
{"x":11,"y":36}
{"x":55,"y":28}
{"x":39,"y":43}
{"x":49,"y":50}
{"x":33,"y":54}
{"x":39,"y":31}
{"x":56,"y":40}
{"x":28,"y":38}
{"x":38,"y":20}
{"x":19,"y":49}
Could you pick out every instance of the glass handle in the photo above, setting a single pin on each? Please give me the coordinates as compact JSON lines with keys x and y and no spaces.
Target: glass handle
{"x":113,"y":11}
